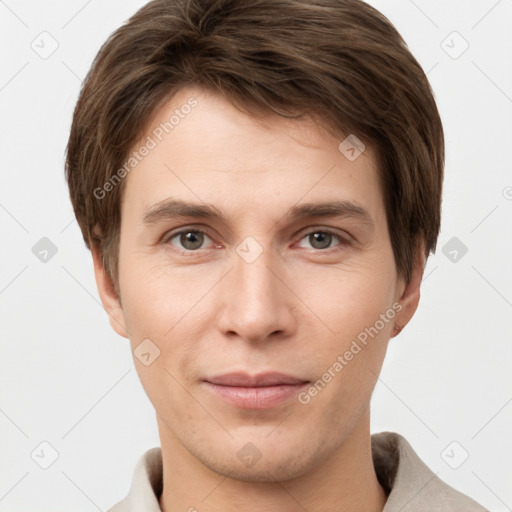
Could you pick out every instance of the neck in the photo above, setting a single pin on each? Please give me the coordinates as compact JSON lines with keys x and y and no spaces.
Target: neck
{"x":346,"y":481}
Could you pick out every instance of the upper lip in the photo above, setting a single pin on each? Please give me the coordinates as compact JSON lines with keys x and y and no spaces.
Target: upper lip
{"x":262,"y":379}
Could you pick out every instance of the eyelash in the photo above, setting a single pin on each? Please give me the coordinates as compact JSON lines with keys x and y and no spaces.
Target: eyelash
{"x":344,"y":241}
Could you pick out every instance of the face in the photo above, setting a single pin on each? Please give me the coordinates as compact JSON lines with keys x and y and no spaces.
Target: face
{"x":225,"y":270}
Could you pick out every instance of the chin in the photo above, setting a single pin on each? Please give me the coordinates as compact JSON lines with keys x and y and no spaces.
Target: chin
{"x":263,"y":461}
{"x":270,"y":471}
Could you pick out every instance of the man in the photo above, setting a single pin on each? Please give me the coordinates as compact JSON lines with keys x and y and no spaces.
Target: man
{"x":260,"y":186}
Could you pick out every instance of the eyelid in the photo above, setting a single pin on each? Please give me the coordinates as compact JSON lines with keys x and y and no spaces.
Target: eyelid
{"x":168,"y":236}
{"x":341,"y":233}
{"x":345,"y":238}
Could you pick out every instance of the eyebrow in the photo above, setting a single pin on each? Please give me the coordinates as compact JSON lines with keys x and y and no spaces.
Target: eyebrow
{"x":172,"y":208}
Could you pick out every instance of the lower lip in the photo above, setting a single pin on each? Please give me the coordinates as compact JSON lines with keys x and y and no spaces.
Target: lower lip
{"x":257,"y":397}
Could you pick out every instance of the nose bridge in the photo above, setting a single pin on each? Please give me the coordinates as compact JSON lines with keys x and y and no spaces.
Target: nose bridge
{"x":256,"y":302}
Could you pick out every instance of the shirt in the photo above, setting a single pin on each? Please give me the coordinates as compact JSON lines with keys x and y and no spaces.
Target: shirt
{"x":409,"y":483}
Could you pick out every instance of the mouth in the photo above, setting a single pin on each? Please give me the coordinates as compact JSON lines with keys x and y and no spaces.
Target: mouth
{"x":262,"y":391}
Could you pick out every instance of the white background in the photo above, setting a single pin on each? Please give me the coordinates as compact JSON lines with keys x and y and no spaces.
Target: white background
{"x":68,"y":379}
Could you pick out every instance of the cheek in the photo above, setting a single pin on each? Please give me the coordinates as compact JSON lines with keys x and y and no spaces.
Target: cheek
{"x":349,"y":300}
{"x":350,"y":356}
{"x":156,"y":297}
{"x":166,"y":306}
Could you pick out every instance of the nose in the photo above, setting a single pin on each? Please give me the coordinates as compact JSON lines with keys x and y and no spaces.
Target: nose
{"x":257,"y":303}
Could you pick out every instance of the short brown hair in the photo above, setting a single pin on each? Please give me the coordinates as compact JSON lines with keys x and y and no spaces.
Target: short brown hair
{"x":341,"y":61}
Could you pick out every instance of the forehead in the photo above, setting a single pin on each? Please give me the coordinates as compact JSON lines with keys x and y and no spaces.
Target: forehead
{"x":202,"y":148}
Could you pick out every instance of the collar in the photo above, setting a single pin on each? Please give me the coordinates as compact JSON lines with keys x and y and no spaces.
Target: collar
{"x":409,"y":483}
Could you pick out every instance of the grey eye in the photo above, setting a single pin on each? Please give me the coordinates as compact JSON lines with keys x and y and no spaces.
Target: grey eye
{"x":320,"y":240}
{"x":190,"y":239}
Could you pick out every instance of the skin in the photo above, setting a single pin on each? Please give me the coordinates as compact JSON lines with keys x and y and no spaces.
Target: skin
{"x":294,"y":309}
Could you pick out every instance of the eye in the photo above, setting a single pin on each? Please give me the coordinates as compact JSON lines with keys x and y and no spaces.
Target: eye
{"x":190,"y":239}
{"x":322,"y":239}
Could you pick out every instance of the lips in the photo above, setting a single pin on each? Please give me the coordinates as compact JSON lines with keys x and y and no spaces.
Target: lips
{"x":255,"y":381}
{"x":262,"y":391}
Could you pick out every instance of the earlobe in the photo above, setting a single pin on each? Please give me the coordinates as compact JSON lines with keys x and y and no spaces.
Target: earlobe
{"x":108,"y":295}
{"x":410,"y":297}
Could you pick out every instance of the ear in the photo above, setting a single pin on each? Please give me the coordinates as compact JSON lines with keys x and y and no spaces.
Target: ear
{"x":410,"y":295}
{"x":109,"y":298}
